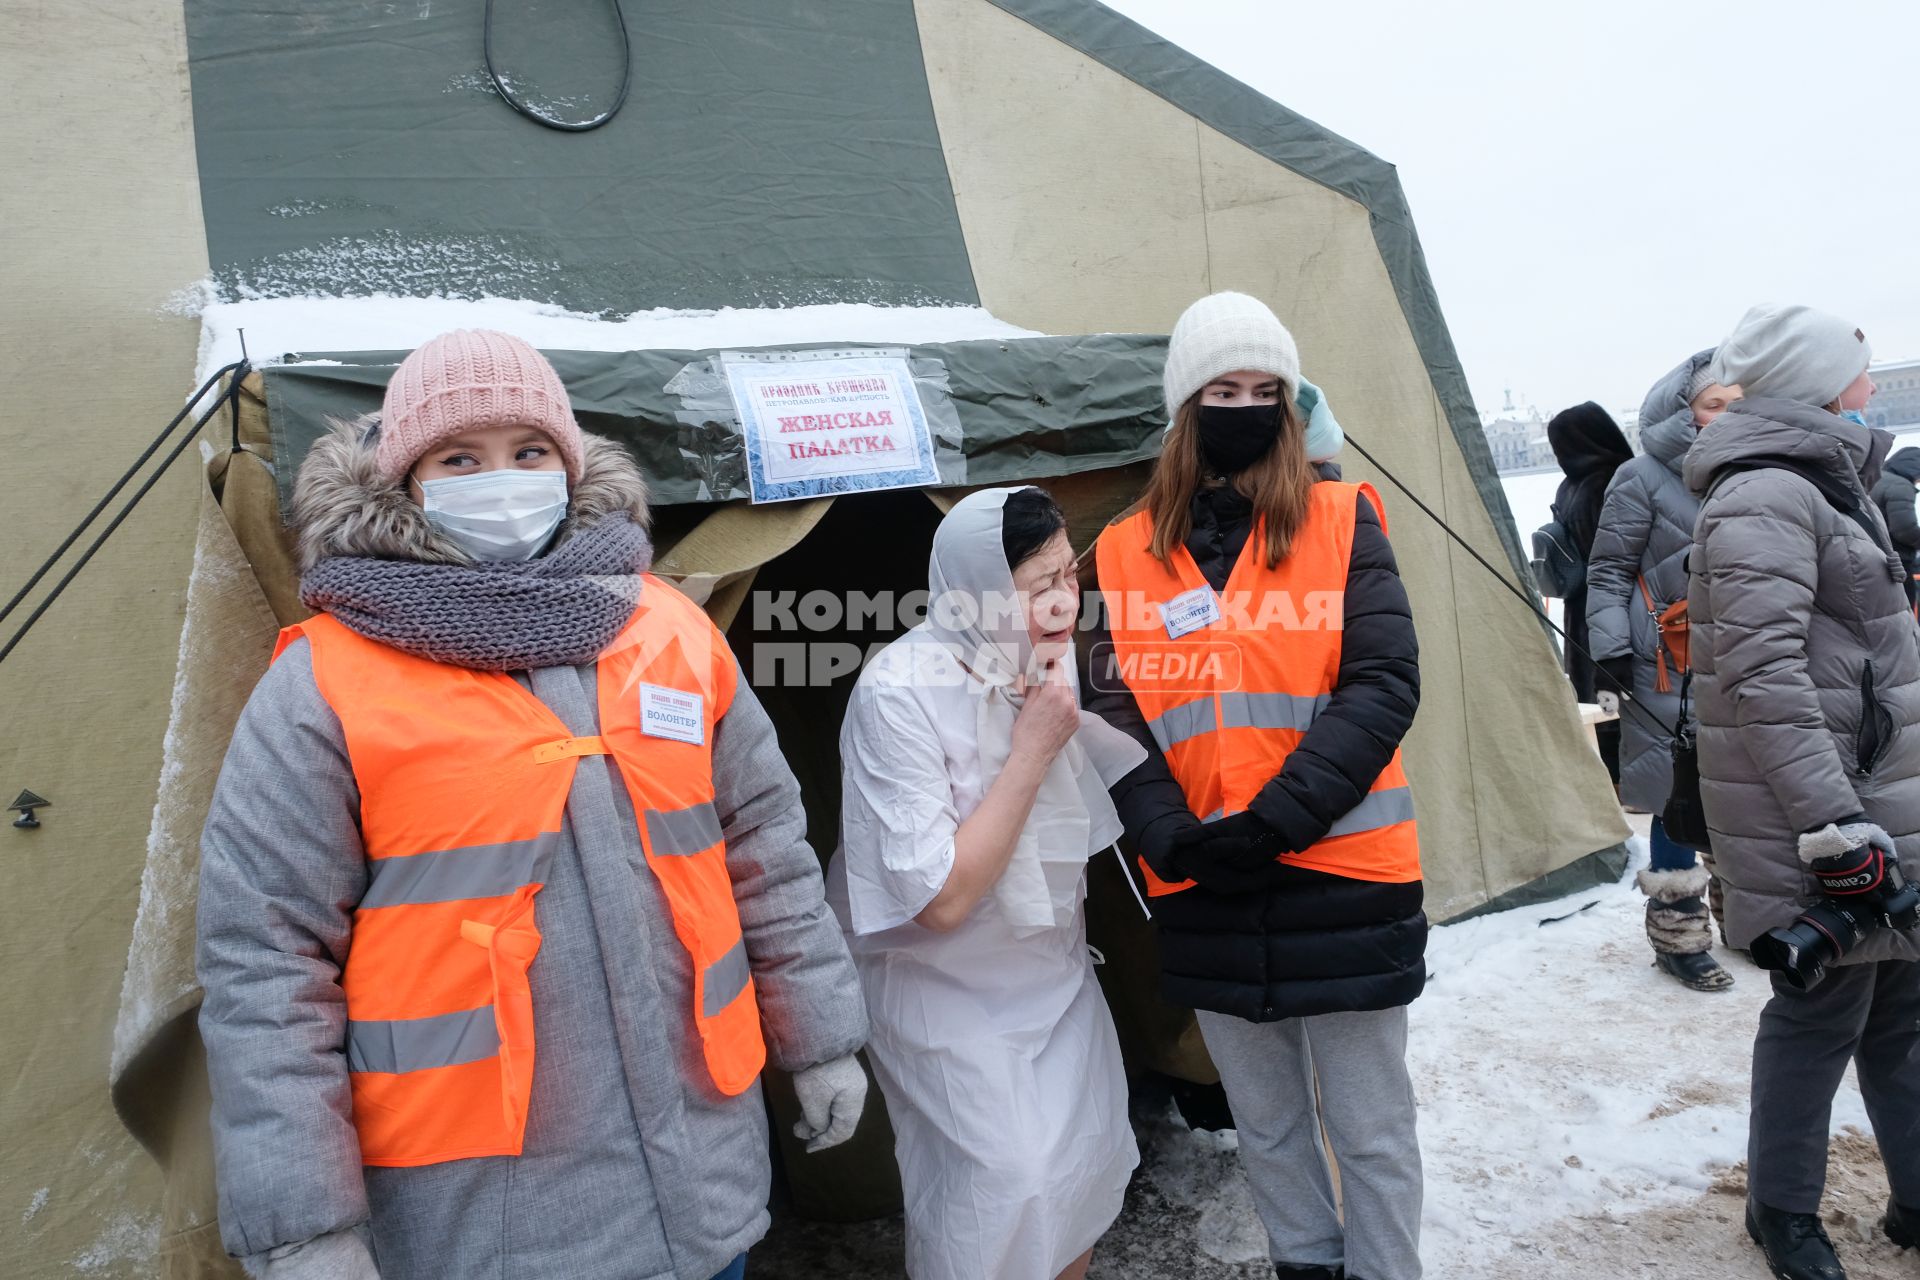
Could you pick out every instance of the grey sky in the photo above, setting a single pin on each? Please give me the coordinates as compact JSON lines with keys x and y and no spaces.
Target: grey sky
{"x":1602,"y":189}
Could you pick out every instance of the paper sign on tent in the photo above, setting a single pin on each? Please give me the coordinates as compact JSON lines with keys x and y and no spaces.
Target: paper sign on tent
{"x":842,"y":423}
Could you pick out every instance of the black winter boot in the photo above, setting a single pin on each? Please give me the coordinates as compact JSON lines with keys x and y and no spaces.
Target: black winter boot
{"x":1902,"y":1225}
{"x":1680,"y":929}
{"x":1285,"y":1272}
{"x":1796,"y":1244}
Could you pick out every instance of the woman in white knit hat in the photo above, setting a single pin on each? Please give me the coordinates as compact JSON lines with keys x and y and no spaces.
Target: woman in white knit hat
{"x":1261,"y":647}
{"x":1806,"y":682}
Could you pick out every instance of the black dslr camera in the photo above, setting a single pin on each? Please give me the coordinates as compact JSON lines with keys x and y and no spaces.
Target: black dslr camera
{"x":1827,"y":930}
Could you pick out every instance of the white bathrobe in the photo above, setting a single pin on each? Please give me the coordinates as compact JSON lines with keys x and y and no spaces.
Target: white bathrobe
{"x":992,"y":1042}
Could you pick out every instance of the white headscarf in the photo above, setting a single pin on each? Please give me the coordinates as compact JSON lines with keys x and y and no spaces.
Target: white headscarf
{"x":974,"y":610}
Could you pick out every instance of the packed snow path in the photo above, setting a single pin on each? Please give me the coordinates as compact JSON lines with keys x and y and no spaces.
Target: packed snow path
{"x":1581,"y":1116}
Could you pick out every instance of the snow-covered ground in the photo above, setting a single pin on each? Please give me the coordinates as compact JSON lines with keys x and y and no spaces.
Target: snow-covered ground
{"x":1582,"y":1116}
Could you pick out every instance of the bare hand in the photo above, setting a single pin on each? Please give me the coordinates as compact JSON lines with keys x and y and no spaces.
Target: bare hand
{"x":1048,"y":717}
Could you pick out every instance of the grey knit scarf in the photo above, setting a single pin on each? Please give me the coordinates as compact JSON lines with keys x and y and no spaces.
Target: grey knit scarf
{"x":557,"y":610}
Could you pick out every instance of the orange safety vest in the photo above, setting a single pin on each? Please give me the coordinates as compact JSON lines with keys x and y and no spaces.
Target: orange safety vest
{"x":464,"y":777}
{"x":1230,"y":681}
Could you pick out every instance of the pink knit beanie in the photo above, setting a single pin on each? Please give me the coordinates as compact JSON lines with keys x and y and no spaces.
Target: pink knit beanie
{"x":466,"y":379}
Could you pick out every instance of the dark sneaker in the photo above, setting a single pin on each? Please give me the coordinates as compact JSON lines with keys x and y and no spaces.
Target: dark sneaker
{"x":1698,"y":970}
{"x":1285,"y":1272}
{"x":1795,"y":1244}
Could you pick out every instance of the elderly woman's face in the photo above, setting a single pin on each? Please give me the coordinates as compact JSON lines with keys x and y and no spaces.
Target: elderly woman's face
{"x":1049,"y":588}
{"x":1712,"y":402}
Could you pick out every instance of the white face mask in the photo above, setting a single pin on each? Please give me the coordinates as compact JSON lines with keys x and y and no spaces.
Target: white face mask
{"x":498,"y":515}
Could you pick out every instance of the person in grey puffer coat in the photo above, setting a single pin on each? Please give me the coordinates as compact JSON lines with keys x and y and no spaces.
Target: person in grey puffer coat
{"x":522,"y":557}
{"x":1645,"y":532}
{"x":1807,"y":691}
{"x":1893,"y":493}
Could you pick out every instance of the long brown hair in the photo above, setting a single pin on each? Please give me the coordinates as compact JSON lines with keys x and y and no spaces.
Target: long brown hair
{"x":1278,"y":485}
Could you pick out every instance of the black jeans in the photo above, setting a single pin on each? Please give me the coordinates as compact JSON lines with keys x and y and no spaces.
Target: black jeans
{"x":1868,"y":1014}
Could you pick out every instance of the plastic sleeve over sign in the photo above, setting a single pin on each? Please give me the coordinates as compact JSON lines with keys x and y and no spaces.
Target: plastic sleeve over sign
{"x":712,"y":439}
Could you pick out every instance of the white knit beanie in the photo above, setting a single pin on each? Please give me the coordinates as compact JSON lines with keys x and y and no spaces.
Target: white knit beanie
{"x":1792,"y":353}
{"x":1222,"y":333}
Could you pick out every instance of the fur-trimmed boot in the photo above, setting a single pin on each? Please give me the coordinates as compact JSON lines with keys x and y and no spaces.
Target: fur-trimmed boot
{"x":1680,"y":929}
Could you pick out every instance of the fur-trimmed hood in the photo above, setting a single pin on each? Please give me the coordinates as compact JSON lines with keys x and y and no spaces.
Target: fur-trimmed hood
{"x":342,"y":508}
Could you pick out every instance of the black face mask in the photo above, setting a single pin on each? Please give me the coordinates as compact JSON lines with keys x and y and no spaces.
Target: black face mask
{"x":1234,"y":438}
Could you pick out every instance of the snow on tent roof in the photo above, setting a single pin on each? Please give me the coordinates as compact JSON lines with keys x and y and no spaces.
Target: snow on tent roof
{"x":1029,"y":405}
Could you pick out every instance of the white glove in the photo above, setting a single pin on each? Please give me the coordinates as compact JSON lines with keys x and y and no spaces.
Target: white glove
{"x":831,"y":1095}
{"x":338,"y":1255}
{"x":1837,"y":838}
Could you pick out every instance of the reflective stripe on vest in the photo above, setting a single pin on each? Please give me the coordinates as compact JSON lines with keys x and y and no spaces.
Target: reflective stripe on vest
{"x":464,"y":778}
{"x":1227,"y":702}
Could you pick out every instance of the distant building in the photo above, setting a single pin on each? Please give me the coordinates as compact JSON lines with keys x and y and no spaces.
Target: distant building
{"x":1630,"y":427}
{"x":1517,"y":436}
{"x":1897,"y":403}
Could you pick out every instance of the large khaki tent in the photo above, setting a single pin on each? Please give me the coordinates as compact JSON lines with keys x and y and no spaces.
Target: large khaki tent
{"x":1044,"y":159}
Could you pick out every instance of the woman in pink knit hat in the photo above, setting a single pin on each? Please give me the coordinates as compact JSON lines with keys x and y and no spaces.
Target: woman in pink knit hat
{"x":505,"y":892}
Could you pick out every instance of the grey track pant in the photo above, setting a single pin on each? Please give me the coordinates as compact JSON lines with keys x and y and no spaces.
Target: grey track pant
{"x":1366,"y":1104}
{"x":1868,"y":1014}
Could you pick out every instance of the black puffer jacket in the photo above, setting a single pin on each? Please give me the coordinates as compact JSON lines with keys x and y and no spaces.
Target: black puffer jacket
{"x":1589,"y":446}
{"x":1307,"y":942}
{"x":1893,"y":493}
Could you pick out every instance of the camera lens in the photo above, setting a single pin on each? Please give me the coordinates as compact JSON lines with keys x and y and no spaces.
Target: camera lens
{"x":1794,"y":953}
{"x":1801,"y":952}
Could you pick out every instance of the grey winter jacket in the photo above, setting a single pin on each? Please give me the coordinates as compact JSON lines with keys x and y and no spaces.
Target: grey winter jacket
{"x":1806,"y":665}
{"x":1646,"y":529}
{"x":635,"y":1167}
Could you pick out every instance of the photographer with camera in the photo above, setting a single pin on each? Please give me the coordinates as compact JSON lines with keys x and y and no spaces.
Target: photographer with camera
{"x":1807,"y":688}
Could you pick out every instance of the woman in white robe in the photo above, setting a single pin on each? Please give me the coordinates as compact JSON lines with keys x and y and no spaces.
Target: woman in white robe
{"x":973,"y":793}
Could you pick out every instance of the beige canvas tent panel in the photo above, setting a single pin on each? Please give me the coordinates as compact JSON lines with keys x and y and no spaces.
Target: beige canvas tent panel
{"x":101,"y":209}
{"x":1181,"y":210}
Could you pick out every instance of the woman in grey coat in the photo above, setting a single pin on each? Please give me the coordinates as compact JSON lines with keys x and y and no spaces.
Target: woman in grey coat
{"x":1637,"y":569}
{"x":476,"y":527}
{"x":1807,"y":688}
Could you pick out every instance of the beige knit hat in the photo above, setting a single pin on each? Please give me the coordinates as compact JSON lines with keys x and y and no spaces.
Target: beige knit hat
{"x":467,"y":379}
{"x":1224,"y":332}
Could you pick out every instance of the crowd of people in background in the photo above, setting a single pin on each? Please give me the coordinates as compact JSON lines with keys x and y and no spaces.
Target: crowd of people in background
{"x":1746,"y":604}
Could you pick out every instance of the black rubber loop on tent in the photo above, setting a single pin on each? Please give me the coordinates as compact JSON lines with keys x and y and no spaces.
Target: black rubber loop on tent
{"x":231,"y":396}
{"x":534,"y":114}
{"x":1535,"y":610}
{"x":118,"y":485}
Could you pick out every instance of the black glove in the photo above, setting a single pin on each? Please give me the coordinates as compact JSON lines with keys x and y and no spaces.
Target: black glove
{"x":1163,"y":841}
{"x":1236,"y":852}
{"x":1857,"y":867}
{"x":1616,"y":676}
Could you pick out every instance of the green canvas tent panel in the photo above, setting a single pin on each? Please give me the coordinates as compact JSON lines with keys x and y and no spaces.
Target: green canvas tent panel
{"x":775,"y":155}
